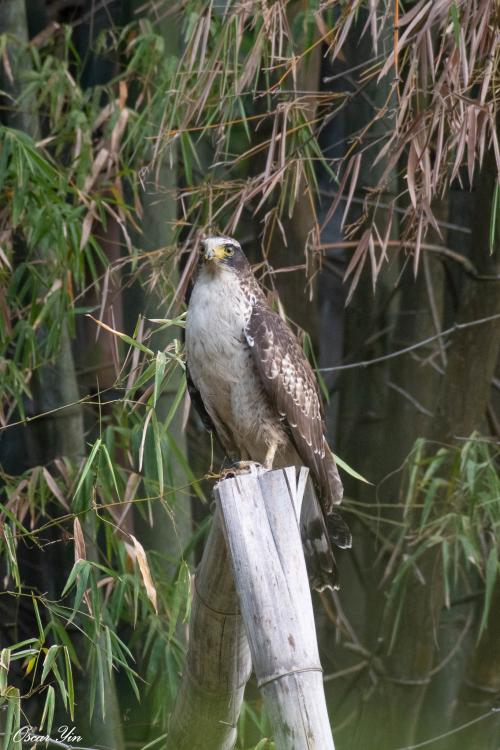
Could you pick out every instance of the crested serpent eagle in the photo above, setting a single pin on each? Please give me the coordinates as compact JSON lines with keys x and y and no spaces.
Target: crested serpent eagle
{"x":253,"y":386}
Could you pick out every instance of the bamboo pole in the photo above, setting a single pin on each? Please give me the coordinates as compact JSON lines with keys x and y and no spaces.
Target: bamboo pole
{"x":261,"y":513}
{"x":253,"y":560}
{"x":218,"y":661}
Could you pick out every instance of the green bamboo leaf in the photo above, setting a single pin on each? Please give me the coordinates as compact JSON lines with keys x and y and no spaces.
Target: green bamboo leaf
{"x":161,"y":361}
{"x":48,"y":662}
{"x":11,"y":553}
{"x":159,"y":457}
{"x":446,"y":563}
{"x":100,"y":678}
{"x":69,"y":683}
{"x":77,"y":567}
{"x":181,"y":595}
{"x":15,"y":521}
{"x":163,"y":323}
{"x":13,"y":718}
{"x":88,"y":465}
{"x":111,"y":468}
{"x":136,"y":344}
{"x":456,"y":22}
{"x":41,"y":630}
{"x":62,"y":686}
{"x":48,"y":710}
{"x":349,"y":470}
{"x":155,"y":742}
{"x":491,"y":576}
{"x":81,"y":587}
{"x":4,"y":669}
{"x":414,"y":473}
{"x":64,"y":639}
{"x":143,"y":378}
{"x":123,"y":337}
{"x":19,"y":645}
{"x":109,"y":650}
{"x":264,"y":744}
{"x":181,"y":389}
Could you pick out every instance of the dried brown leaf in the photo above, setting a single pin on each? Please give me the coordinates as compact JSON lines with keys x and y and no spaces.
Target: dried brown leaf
{"x":80,"y":549}
{"x":137,"y":553}
{"x":52,"y":485}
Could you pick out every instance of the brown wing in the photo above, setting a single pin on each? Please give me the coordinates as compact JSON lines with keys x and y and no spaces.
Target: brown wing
{"x":198,"y":404}
{"x":290,"y":384}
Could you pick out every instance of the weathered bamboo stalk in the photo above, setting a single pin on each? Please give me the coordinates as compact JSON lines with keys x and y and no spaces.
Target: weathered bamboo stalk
{"x":261,"y":513}
{"x":218,"y":661}
{"x":260,"y":567}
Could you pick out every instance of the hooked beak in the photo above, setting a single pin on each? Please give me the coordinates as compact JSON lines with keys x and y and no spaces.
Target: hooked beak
{"x":212,"y":252}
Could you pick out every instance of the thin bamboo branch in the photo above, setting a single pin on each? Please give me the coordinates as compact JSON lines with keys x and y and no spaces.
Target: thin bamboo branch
{"x":399,"y":352}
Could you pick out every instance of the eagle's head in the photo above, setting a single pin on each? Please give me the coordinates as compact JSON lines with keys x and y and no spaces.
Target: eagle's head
{"x":222,"y":252}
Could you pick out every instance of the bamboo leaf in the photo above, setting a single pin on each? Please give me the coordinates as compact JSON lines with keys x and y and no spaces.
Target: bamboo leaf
{"x":349,"y":470}
{"x":13,"y":717}
{"x":48,"y":710}
{"x":11,"y":552}
{"x":88,"y":465}
{"x":4,"y":669}
{"x":159,"y":456}
{"x":123,"y":336}
{"x":100,"y":679}
{"x":264,"y":744}
{"x":491,"y":576}
{"x":41,"y":631}
{"x":181,"y":595}
{"x":161,"y":361}
{"x":62,"y":686}
{"x":156,"y":741}
{"x":109,"y":651}
{"x":138,"y":553}
{"x":69,"y":683}
{"x":143,"y":438}
{"x":79,"y":541}
{"x":456,"y":22}
{"x":181,"y":389}
{"x":77,"y":567}
{"x":111,"y":468}
{"x":31,"y":663}
{"x":48,"y":662}
{"x":54,"y":488}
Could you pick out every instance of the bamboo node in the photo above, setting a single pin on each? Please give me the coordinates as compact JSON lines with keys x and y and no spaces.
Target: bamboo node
{"x":207,"y":606}
{"x":279,"y":675}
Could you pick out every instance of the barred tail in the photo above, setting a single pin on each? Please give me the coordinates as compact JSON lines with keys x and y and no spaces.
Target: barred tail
{"x":318,"y":533}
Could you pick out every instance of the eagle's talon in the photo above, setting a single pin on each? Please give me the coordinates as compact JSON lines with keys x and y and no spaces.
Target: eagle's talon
{"x":240,"y":467}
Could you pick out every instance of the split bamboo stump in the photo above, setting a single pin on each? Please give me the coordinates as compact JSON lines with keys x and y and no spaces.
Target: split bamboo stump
{"x":260,"y":565}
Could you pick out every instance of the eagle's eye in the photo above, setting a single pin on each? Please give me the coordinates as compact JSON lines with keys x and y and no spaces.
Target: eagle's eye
{"x":228,"y":251}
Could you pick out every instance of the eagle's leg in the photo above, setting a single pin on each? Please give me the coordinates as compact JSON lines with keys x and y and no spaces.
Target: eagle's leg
{"x":271,"y":452}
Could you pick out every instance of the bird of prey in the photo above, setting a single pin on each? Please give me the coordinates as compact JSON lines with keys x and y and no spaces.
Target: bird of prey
{"x":252,"y":385}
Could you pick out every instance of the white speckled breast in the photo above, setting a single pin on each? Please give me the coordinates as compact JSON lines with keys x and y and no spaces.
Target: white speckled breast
{"x":222,"y":368}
